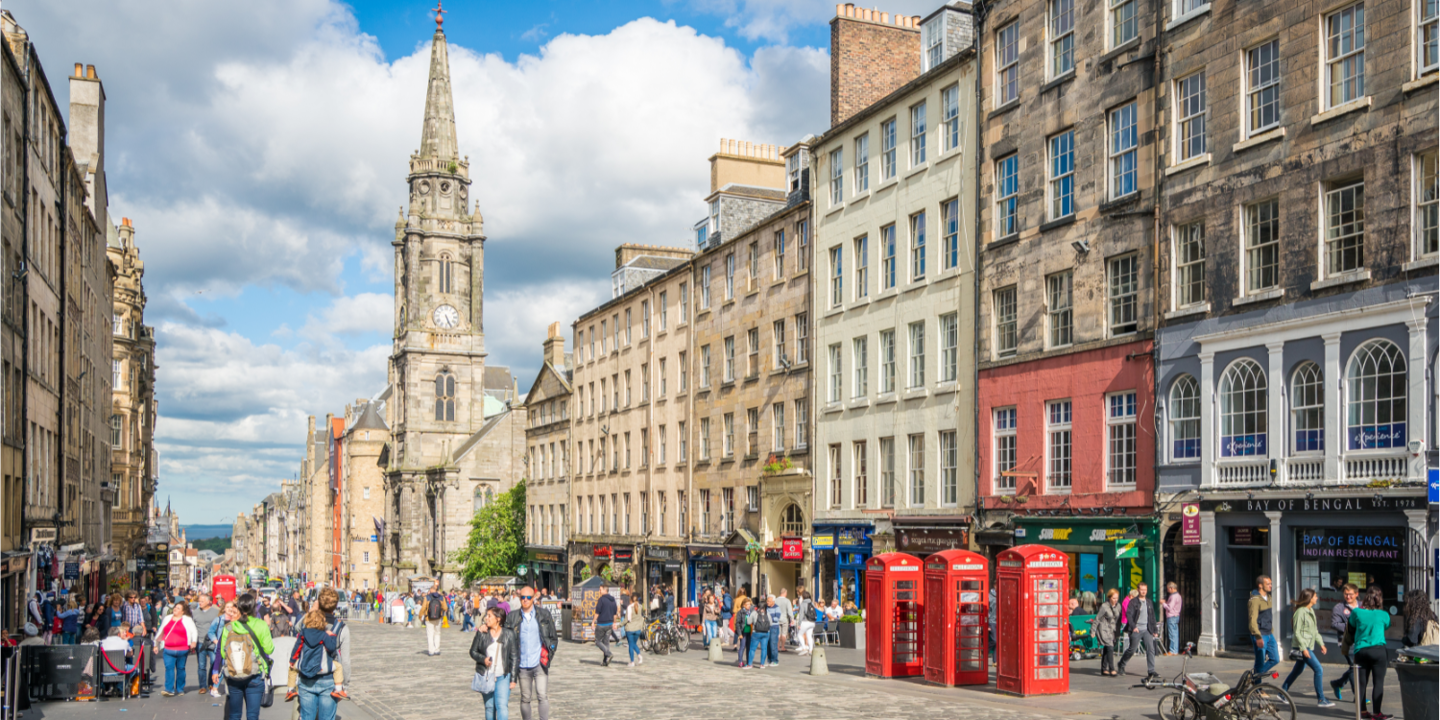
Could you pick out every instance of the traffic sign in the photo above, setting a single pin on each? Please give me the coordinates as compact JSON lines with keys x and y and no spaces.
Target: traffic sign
{"x":1435,"y":485}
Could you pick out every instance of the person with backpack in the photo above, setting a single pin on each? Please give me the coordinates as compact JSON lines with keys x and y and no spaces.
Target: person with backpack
{"x":434,"y":609}
{"x":809,"y":614}
{"x":243,"y":659}
{"x":314,"y":666}
{"x":326,"y":604}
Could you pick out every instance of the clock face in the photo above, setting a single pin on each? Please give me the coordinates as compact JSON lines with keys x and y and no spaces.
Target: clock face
{"x":447,"y":317}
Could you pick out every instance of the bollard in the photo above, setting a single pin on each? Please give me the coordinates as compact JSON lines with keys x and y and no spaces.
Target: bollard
{"x":716,"y":653}
{"x":817,"y":662}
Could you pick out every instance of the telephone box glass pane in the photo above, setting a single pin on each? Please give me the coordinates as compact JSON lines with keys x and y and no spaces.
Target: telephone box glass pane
{"x":1047,"y":622}
{"x":972,"y":665}
{"x":905,"y":595}
{"x":969,"y":654}
{"x":904,"y":584}
{"x":970,"y":620}
{"x":970,"y":642}
{"x":1048,"y":597}
{"x":1048,"y":674}
{"x":1047,"y":609}
{"x":969,"y":584}
{"x":1047,"y":647}
{"x":1047,"y":660}
{"x":1047,"y":584}
{"x":1047,"y":635}
{"x":970,"y":608}
{"x":969,"y":597}
{"x":973,"y":629}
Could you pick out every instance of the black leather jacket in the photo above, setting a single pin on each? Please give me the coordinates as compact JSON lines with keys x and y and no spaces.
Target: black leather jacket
{"x":509,"y":651}
{"x":548,"y":636}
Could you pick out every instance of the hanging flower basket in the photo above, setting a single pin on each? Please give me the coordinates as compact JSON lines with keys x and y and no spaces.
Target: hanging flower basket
{"x":777,"y":464}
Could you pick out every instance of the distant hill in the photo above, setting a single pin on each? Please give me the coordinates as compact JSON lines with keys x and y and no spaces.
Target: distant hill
{"x":216,"y":545}
{"x":202,"y":532}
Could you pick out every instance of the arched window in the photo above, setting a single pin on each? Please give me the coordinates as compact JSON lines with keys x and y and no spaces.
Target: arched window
{"x":792,"y":521}
{"x":447,"y":274}
{"x":1242,"y":410}
{"x":1307,"y":408}
{"x":445,"y":397}
{"x":1185,"y":419}
{"x":1375,"y":406}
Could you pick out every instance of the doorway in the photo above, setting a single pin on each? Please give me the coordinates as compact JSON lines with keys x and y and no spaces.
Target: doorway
{"x":1246,"y":564}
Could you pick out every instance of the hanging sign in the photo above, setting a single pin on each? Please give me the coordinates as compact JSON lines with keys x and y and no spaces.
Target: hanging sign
{"x":792,"y":548}
{"x":1190,"y":523}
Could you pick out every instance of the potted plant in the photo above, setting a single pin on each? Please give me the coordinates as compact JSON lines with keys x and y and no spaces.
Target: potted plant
{"x":776,"y":465}
{"x":852,"y":632}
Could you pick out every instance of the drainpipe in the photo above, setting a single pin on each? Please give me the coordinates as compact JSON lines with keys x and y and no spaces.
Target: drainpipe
{"x":981,"y":10}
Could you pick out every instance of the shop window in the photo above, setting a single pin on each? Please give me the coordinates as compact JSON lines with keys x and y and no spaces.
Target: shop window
{"x":1243,"y":410}
{"x":1376,"y":390}
{"x":1331,"y":557}
{"x":1307,"y":408}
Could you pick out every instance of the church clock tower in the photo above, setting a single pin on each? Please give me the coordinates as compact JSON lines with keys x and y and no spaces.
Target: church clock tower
{"x":437,"y":365}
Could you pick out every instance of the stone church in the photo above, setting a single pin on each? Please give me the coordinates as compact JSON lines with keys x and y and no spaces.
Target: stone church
{"x":457,"y":427}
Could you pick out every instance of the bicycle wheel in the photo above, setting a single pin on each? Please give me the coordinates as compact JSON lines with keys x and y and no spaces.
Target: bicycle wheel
{"x":660,"y":644}
{"x":682,"y":638}
{"x":1267,"y":702}
{"x":1177,"y":706}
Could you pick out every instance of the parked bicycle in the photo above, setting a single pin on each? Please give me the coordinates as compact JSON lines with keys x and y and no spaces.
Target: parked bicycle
{"x":1203,"y":696}
{"x":664,"y":635}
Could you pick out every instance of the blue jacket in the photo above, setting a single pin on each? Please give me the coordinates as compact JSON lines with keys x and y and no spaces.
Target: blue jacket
{"x":314,"y":653}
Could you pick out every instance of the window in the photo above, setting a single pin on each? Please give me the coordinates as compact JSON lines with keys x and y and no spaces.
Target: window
{"x":887,"y":257}
{"x":685,"y":297}
{"x":1345,"y":227}
{"x":684,"y":373}
{"x":730,"y":276}
{"x":616,"y":346}
{"x":837,"y":279}
{"x":705,"y":366}
{"x":835,"y":374}
{"x":727,"y":509}
{"x":862,"y":267}
{"x":949,"y":347}
{"x":917,"y":135}
{"x":916,"y":468}
{"x":917,"y":246}
{"x":447,"y":274}
{"x":1375,"y":386}
{"x":1307,"y":408}
{"x":1427,"y":197}
{"x":1007,"y":181}
{"x":862,"y":163}
{"x":628,"y":325}
{"x":627,"y":388}
{"x":859,"y":470}
{"x":1062,"y":175}
{"x":1006,"y":335}
{"x":1190,"y":117}
{"x":117,"y":431}
{"x":949,"y":468}
{"x":366,"y":493}
{"x":1428,"y":40}
{"x":118,"y":373}
{"x":704,"y":511}
{"x":752,"y":500}
{"x":1123,"y":140}
{"x":715,"y":216}
{"x":1242,"y":410}
{"x":727,"y":443}
{"x":1262,"y":96}
{"x":950,"y":123}
{"x":802,"y":338}
{"x":777,"y":330}
{"x":950,"y":228}
{"x":917,"y":354}
{"x":1185,"y":419}
{"x":777,"y":424}
{"x":592,"y":341}
{"x":661,"y":436}
{"x":752,"y":432}
{"x":1060,"y":308}
{"x":1123,"y":25}
{"x":664,"y":311}
{"x":1124,"y":289}
{"x":753,"y":264}
{"x":730,"y":359}
{"x":684,"y":441}
{"x":752,"y":343}
{"x":645,"y":318}
{"x":1007,"y":64}
{"x":1262,"y":246}
{"x":887,"y":361}
{"x":704,"y":438}
{"x":1004,"y":449}
{"x":860,"y":387}
{"x":445,"y":397}
{"x":837,"y":176}
{"x":1189,"y":264}
{"x":835,"y":488}
{"x":933,"y":40}
{"x":1057,"y":445}
{"x":664,"y":378}
{"x":704,"y":288}
{"x":1120,"y":430}
{"x":887,"y":472}
{"x":1062,"y":37}
{"x":1345,"y":54}
{"x":887,"y":149}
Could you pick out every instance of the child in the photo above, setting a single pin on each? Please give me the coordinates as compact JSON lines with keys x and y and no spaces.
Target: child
{"x":318,"y":633}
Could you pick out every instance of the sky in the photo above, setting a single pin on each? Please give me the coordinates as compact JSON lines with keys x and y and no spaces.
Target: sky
{"x":260,"y":151}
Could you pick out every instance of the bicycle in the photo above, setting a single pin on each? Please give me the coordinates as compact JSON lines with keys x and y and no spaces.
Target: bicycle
{"x":663,"y":635}
{"x":1203,"y":696}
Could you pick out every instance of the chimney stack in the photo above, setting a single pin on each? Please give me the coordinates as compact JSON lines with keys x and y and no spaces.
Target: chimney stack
{"x":871,"y":55}
{"x":554,"y":347}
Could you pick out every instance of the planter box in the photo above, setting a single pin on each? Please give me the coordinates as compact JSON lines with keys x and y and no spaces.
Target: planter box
{"x":852,"y":635}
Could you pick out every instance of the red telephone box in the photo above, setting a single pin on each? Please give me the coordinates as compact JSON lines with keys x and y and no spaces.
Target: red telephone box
{"x":1032,"y":634}
{"x":956,"y":618}
{"x":894,"y":615}
{"x":223,"y":587}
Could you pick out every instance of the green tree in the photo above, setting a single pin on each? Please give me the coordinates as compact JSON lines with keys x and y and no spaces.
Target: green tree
{"x":496,"y":545}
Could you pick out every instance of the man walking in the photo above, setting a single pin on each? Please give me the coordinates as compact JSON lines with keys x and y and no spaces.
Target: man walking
{"x":771,"y":658}
{"x":1267,"y":651}
{"x":605,"y":610}
{"x":535,"y":630}
{"x":434,"y":617}
{"x":1142,"y":620}
{"x":786,"y":608}
{"x":205,"y":616}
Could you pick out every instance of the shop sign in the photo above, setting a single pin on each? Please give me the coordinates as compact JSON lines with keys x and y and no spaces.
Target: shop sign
{"x":852,"y":537}
{"x":772,"y":553}
{"x":929,"y":540}
{"x":792,"y":548}
{"x":822,"y":542}
{"x":601,"y":551}
{"x":1250,"y":536}
{"x":1325,"y":543}
{"x":624,"y":554}
{"x":548,"y":557}
{"x":1367,"y":503}
{"x":1190,"y":523}
{"x":1127,"y":548}
{"x":659,"y":553}
{"x":1434,"y":485}
{"x":72,"y":571}
{"x":710,"y":554}
{"x":1376,"y":437}
{"x":1243,"y":445}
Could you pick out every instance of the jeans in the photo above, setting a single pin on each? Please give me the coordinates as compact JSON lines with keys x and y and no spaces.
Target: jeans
{"x":602,"y":638}
{"x":742,"y":649}
{"x":1107,"y":658}
{"x":758,"y":644}
{"x":465,"y":623}
{"x":206,"y":658}
{"x":67,"y":638}
{"x":1172,"y":633}
{"x":497,"y":704}
{"x":432,"y":636}
{"x":773,"y":645}
{"x":315,"y":700}
{"x":1267,"y":653}
{"x":633,"y":638}
{"x":1313,"y":662}
{"x":534,"y":687}
{"x":175,"y":670}
{"x":244,"y":694}
{"x":1140,"y":639}
{"x":712,"y":629}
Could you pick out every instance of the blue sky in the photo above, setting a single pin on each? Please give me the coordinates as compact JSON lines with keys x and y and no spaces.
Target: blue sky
{"x":260,"y":150}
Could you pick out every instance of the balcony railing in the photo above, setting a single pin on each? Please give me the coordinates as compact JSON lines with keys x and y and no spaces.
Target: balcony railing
{"x":1242,"y":473}
{"x":1364,"y":468}
{"x":1305,"y":470}
{"x":1310,"y":470}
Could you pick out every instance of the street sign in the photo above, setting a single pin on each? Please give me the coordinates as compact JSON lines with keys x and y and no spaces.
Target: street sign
{"x":1434,"y":485}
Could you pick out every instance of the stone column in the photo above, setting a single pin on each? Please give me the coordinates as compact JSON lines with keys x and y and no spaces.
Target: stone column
{"x":1209,"y":640}
{"x":1334,"y":407}
{"x":1207,"y":419}
{"x":1275,"y":406}
{"x":1278,"y":595}
{"x":1415,"y":420}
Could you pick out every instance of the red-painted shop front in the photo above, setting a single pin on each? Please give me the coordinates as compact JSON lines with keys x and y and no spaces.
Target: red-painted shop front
{"x":1071,"y":434}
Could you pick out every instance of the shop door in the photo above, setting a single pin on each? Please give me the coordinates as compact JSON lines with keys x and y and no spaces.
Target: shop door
{"x":1245,"y":565}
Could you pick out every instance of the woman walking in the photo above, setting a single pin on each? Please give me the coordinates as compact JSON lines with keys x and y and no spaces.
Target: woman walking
{"x":1172,"y":605}
{"x":744,"y":629}
{"x":711,"y":618}
{"x":634,"y":628}
{"x":1367,"y":634}
{"x":496,"y":653}
{"x":1307,"y":641}
{"x":177,"y":635}
{"x":1105,"y":626}
{"x":244,"y":692}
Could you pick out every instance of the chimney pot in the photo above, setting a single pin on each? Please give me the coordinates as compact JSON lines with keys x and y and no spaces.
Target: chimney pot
{"x":78,"y":71}
{"x":90,"y":72}
{"x":125,"y":222}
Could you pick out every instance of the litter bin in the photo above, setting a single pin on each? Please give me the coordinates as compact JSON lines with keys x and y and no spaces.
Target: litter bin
{"x":1419,"y":684}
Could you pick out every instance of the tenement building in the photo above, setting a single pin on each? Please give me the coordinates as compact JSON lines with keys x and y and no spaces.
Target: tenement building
{"x":133,"y":408}
{"x":894,"y":277}
{"x":547,"y":462}
{"x":1297,"y":287}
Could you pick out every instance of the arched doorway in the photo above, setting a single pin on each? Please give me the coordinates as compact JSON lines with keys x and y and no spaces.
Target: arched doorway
{"x":1181,"y":565}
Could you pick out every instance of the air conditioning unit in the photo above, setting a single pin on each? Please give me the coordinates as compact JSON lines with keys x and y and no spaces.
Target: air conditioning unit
{"x":43,"y":535}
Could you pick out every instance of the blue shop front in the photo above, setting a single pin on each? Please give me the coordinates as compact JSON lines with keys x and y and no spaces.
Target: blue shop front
{"x":841,"y":551}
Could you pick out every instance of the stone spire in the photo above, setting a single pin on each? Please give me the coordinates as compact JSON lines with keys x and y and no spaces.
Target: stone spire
{"x":437,"y":141}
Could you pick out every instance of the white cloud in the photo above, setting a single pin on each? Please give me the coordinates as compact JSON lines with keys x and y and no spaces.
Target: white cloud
{"x":774,"y":20}
{"x":353,"y":315}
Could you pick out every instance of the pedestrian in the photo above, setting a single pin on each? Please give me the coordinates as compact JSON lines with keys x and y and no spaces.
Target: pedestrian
{"x":243,"y":659}
{"x":315,"y":665}
{"x":434,"y":618}
{"x":34,"y":611}
{"x":467,"y":608}
{"x":134,"y":613}
{"x":787,"y":613}
{"x":70,"y":619}
{"x":1340,"y":622}
{"x":179,"y":638}
{"x":744,"y":628}
{"x":1307,"y":641}
{"x":496,"y":653}
{"x":535,"y":635}
{"x":206,"y":619}
{"x":605,"y":610}
{"x":1267,"y":651}
{"x":777,"y":622}
{"x":1172,"y":605}
{"x":808,"y":614}
{"x":409,"y":610}
{"x":1105,"y":627}
{"x":710,"y":616}
{"x":1142,"y":619}
{"x":113,"y":615}
{"x":634,"y":629}
{"x":760,"y":632}
{"x":1366,"y":635}
{"x":727,"y":611}
{"x":1421,"y":627}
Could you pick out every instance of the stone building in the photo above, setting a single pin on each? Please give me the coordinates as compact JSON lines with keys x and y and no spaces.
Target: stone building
{"x":316,"y":557}
{"x":1066,"y":229}
{"x":362,"y":494}
{"x":894,"y":291}
{"x":548,"y":474}
{"x":1297,"y":291}
{"x":452,"y":441}
{"x":131,"y":430}
{"x":631,"y":402}
{"x":13,"y":315}
{"x":750,"y":361}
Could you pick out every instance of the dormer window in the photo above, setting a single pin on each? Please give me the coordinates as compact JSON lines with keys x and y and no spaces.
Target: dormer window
{"x":932,"y":39}
{"x":792,"y":171}
{"x":715,"y":216}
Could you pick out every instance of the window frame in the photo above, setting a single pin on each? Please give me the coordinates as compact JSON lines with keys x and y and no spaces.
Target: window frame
{"x":1119,"y":20}
{"x":1184,"y":396}
{"x":887,"y":361}
{"x":862,"y":164}
{"x":1307,"y":409}
{"x":1356,"y":394}
{"x":1335,"y":241}
{"x":1191,"y":112}
{"x":950,"y":117}
{"x":1060,"y":37}
{"x":1007,"y":190}
{"x":1233,"y":388}
{"x":1119,"y":155}
{"x":1004,"y":446}
{"x":950,"y":234}
{"x":915,"y":358}
{"x":837,"y":275}
{"x":1427,"y":37}
{"x":1112,"y":297}
{"x":859,"y":366}
{"x":1426,"y":211}
{"x":1122,"y":417}
{"x":861,"y":251}
{"x":1007,"y":64}
{"x":889,"y":138}
{"x":1257,"y":87}
{"x":837,"y":177}
{"x":917,"y":247}
{"x":836,"y":489}
{"x":889,"y":274}
{"x":1334,"y":57}
{"x":1005,"y":327}
{"x":859,"y":473}
{"x":1059,"y":419}
{"x":1187,"y":269}
{"x":1060,"y":174}
{"x":949,"y":324}
{"x":949,"y":447}
{"x":1060,"y":319}
{"x":915,"y":470}
{"x":1253,"y":254}
{"x":835,"y":388}
{"x":887,"y":472}
{"x":919,"y":130}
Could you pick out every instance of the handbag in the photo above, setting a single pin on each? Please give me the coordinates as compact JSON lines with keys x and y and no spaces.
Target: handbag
{"x":1297,"y":654}
{"x":1432,"y":633}
{"x":483,"y":683}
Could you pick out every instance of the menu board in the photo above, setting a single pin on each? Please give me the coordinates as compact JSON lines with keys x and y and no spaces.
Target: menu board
{"x":582,"y":606}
